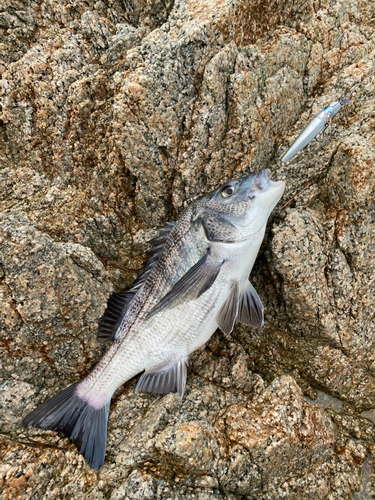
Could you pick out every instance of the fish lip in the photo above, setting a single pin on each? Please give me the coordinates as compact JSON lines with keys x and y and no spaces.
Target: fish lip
{"x":266,"y":173}
{"x":261,"y":181}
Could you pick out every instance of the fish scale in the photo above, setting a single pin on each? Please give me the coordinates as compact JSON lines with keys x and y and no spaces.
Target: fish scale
{"x":195,"y":281}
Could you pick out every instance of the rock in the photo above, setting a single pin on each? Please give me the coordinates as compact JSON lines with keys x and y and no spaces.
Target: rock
{"x":54,"y":292}
{"x":113,"y":116}
{"x":278,"y":423}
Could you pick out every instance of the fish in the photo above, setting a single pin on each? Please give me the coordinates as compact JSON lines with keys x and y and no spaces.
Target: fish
{"x":196,"y":280}
{"x":314,"y":127}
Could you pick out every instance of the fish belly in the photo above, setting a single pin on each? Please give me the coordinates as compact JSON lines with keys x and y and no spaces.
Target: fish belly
{"x":158,"y":344}
{"x":180,"y":331}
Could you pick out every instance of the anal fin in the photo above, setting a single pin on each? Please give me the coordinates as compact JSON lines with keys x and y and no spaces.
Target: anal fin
{"x":250,"y":307}
{"x":165,"y":380}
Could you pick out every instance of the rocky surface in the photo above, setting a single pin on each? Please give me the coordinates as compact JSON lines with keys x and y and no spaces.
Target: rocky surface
{"x":113,"y":116}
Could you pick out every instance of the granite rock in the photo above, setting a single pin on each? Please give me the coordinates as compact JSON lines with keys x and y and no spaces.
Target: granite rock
{"x":113,"y":116}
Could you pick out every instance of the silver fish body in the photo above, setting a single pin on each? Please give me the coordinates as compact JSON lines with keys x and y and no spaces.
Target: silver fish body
{"x":314,"y":127}
{"x":196,"y":281}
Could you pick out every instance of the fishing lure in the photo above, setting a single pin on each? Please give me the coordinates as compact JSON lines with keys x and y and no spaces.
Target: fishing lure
{"x":316,"y":125}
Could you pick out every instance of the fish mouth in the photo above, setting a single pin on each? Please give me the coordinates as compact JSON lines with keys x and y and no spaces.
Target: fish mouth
{"x":262,"y":180}
{"x":262,"y":183}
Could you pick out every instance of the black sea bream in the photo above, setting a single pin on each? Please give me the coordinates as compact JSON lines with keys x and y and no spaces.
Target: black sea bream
{"x":196,"y":281}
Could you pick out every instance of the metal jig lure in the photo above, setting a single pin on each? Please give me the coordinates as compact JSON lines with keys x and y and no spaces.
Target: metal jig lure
{"x":316,"y":125}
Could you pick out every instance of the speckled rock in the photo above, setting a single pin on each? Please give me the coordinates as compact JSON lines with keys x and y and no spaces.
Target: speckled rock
{"x":113,"y":116}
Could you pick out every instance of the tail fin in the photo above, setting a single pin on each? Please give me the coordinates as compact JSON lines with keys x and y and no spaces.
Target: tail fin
{"x":81,"y":422}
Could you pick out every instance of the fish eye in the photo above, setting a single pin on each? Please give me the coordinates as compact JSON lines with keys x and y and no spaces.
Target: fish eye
{"x":227,"y":191}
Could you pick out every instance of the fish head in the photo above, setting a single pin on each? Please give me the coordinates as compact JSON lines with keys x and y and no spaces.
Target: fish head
{"x":246,"y":202}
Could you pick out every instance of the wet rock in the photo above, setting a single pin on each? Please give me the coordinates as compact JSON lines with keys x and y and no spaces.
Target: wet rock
{"x":113,"y":116}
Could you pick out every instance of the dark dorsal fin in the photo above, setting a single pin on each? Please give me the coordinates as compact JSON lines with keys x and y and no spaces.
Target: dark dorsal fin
{"x":118,"y":303}
{"x":116,"y":308}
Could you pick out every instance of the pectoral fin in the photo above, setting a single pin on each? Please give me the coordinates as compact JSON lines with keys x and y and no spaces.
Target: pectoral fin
{"x":228,"y":312}
{"x":165,"y":380}
{"x":250,"y":307}
{"x":192,"y":285}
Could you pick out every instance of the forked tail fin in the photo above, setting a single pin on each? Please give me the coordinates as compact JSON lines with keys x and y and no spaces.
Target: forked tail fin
{"x":81,"y":422}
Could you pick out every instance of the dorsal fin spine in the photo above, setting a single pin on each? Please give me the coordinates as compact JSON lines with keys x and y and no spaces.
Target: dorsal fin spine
{"x":118,"y":303}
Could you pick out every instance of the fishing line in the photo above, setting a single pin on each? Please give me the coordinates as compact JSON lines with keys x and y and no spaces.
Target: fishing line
{"x":295,"y":196}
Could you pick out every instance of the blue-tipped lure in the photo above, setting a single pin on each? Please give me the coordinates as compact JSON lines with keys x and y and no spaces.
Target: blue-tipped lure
{"x":316,"y":125}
